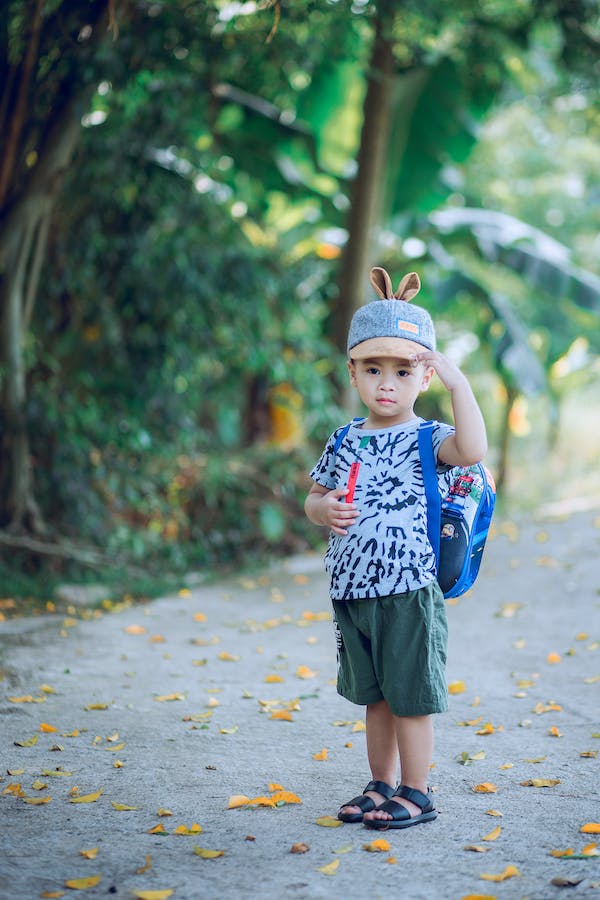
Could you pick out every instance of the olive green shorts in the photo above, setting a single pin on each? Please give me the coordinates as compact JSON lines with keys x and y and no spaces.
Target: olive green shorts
{"x":394,"y":649}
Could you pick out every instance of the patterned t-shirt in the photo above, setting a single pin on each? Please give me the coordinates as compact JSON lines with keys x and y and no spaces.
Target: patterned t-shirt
{"x":386,"y":551}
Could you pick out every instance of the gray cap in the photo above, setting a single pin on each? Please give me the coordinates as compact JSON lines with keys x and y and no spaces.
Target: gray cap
{"x":380,"y":327}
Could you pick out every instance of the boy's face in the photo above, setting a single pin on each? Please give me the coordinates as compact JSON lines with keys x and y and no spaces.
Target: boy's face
{"x":389,"y":387}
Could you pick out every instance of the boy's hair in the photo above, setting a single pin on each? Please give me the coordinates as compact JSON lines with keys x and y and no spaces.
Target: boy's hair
{"x":382,"y":327}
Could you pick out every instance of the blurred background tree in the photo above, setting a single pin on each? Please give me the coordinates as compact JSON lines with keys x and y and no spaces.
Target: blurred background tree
{"x":192,"y":196}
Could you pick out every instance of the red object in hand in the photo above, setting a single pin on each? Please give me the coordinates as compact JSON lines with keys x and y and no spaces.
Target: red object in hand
{"x":352,"y":479}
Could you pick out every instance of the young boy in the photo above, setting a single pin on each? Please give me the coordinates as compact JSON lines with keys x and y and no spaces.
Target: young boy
{"x":389,"y":610}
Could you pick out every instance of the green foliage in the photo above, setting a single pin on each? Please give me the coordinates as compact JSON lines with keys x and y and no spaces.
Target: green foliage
{"x":192,"y":259}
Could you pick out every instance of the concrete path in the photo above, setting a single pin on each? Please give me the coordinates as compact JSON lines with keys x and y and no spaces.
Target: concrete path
{"x":181,"y":704}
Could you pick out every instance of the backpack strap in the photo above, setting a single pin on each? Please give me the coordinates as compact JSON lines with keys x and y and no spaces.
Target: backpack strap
{"x":432,"y":492}
{"x":344,"y":432}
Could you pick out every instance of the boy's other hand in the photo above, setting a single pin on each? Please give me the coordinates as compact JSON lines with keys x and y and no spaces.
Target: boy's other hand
{"x":336,"y":513}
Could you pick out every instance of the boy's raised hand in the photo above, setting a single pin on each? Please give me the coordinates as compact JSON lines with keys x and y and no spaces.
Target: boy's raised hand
{"x":449,"y":373}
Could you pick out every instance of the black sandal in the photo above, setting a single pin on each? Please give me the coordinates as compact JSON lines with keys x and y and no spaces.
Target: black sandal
{"x":366,"y":804}
{"x":401,"y":818}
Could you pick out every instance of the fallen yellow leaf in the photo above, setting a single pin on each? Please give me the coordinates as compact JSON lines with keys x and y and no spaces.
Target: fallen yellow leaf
{"x":166,"y":697}
{"x":47,"y":729}
{"x":158,"y":829}
{"x":273,"y":679}
{"x":316,"y":617}
{"x":321,"y":755}
{"x":478,"y":897}
{"x":329,"y":822}
{"x":305,"y":672}
{"x":283,"y":714}
{"x":89,"y":854}
{"x":183,"y":829}
{"x":485,"y":787}
{"x":493,"y":835}
{"x":553,"y":658}
{"x":540,"y":782}
{"x":590,"y":828}
{"x":281,"y":797}
{"x":164,"y":812}
{"x":29,"y":743}
{"x":37,"y":801}
{"x":82,"y":884}
{"x":153,"y":895}
{"x":13,"y":789}
{"x":116,"y":748}
{"x":331,"y":868}
{"x":299,"y":848}
{"x":146,"y":867}
{"x":135,"y":629}
{"x":488,"y":728}
{"x":92,"y":706}
{"x":238,"y":800}
{"x":87,"y":798}
{"x":122,"y":807}
{"x":457,"y":687}
{"x":378,"y":846}
{"x":227,"y":657}
{"x":509,"y":872}
{"x":208,"y":854}
{"x":199,"y":617}
{"x":561,"y":854}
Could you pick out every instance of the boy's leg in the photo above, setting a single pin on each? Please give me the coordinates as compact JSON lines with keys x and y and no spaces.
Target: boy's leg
{"x":382,"y":749}
{"x":414,"y":736}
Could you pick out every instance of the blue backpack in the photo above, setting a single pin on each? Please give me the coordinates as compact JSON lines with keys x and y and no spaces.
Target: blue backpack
{"x":458,"y":523}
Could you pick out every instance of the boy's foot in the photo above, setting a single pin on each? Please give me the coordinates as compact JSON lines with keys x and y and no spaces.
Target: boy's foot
{"x":375,"y":793}
{"x":407,"y":807}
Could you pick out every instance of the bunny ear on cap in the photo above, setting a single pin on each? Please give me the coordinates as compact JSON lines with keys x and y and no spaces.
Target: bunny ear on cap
{"x":382,"y":283}
{"x":409,"y":287}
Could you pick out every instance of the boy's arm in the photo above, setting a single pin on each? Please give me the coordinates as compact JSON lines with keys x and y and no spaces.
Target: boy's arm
{"x":325,"y":507}
{"x":468,"y":444}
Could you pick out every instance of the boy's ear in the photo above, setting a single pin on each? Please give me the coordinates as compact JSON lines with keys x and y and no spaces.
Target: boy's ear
{"x":427,"y":376}
{"x":352,"y":371}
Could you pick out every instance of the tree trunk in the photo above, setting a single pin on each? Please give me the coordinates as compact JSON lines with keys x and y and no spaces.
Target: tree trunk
{"x":366,"y":190}
{"x":22,"y":246}
{"x":511,"y":396}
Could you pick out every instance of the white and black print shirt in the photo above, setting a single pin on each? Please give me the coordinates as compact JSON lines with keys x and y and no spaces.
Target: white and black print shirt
{"x":387,"y":551}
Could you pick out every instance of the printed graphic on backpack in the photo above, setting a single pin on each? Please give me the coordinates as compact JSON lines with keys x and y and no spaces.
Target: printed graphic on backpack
{"x":466,"y":514}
